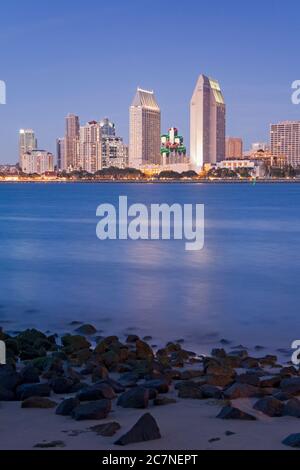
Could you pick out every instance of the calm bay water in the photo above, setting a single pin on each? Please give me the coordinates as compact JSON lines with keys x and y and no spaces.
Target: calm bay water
{"x":243,"y":286}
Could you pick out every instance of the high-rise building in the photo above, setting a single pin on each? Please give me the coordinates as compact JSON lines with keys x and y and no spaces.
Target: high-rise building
{"x":60,"y":153}
{"x":285,"y":141}
{"x":71,"y":145}
{"x":114,"y":152}
{"x":37,"y":161}
{"x":172,"y":148}
{"x":90,"y":147}
{"x":257,"y":146}
{"x":234,"y":147}
{"x":108,"y":128}
{"x":27,"y":143}
{"x":145,"y":129}
{"x":208,"y":123}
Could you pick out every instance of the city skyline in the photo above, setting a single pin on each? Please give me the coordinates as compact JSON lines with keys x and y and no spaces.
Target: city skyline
{"x":55,"y":80}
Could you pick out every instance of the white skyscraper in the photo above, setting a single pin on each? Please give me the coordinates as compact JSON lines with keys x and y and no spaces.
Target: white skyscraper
{"x":145,"y":129}
{"x":208,"y":123}
{"x":90,"y":147}
{"x":27,"y":143}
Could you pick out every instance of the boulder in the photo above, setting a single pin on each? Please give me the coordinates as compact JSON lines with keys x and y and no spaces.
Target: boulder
{"x":190,"y":390}
{"x":32,"y":390}
{"x":9,"y":378}
{"x":94,"y":410}
{"x":74,"y":343}
{"x":241,"y":390}
{"x":66,"y":407}
{"x":39,"y":402}
{"x":209,"y":391}
{"x":86,"y":330}
{"x":30,"y":375}
{"x":291,"y":385}
{"x":160,"y":385}
{"x":62,"y":385}
{"x":106,"y":430}
{"x":143,"y":350}
{"x":292,"y":441}
{"x":146,"y":429}
{"x":163,"y":401}
{"x":229,"y":412}
{"x":270,"y":406}
{"x":136,"y":398}
{"x":292,"y":408}
{"x":96,"y":392}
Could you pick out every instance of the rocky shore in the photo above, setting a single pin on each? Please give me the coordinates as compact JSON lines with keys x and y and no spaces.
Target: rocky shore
{"x":88,"y":392}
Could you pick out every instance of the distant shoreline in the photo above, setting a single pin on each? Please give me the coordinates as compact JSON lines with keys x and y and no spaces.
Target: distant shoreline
{"x":155,"y":181}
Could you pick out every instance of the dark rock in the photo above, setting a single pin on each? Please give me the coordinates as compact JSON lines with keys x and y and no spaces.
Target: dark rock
{"x":129,"y":379}
{"x":147,"y":338}
{"x":30,"y":375}
{"x":135,"y":398}
{"x":74,"y":343}
{"x":219,"y":353}
{"x":240,"y":390}
{"x":50,"y":445}
{"x":116,"y":386}
{"x":106,"y":430}
{"x":160,"y":385}
{"x":268,"y":360}
{"x":190,"y":390}
{"x":214,"y":439}
{"x":292,"y":408}
{"x":291,"y":385}
{"x":225,"y":342}
{"x":132,"y":339}
{"x":292,"y":441}
{"x":62,"y":385}
{"x":99,"y":373}
{"x":270,"y":382}
{"x":146,"y":429}
{"x":86,"y":330}
{"x":66,"y":407}
{"x":92,"y":411}
{"x":250,"y":363}
{"x":143,"y":350}
{"x":249,"y":379}
{"x":32,"y":390}
{"x":270,"y":406}
{"x":6,"y":395}
{"x":209,"y":391}
{"x":218,"y":380}
{"x":96,"y":392}
{"x":229,"y":412}
{"x":106,"y":344}
{"x":229,"y":433}
{"x":9,"y":378}
{"x":191,"y":374}
{"x":282,"y":396}
{"x":39,"y":402}
{"x":164,"y":401}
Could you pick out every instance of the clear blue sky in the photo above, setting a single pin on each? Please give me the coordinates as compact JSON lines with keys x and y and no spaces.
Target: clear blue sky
{"x":89,"y":57}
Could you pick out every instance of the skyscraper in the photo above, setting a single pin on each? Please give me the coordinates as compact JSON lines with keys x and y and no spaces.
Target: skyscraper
{"x":60,"y":153}
{"x":90,"y":145}
{"x":71,"y":142}
{"x":145,"y":129}
{"x":285,"y":141}
{"x":208,"y":123}
{"x":234,"y":147}
{"x":108,"y":128}
{"x":27,"y":143}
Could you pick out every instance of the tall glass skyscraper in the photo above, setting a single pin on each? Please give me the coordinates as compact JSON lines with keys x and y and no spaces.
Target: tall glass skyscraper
{"x":208,"y":123}
{"x":108,"y":128}
{"x":71,"y":144}
{"x":27,"y":143}
{"x":145,"y":130}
